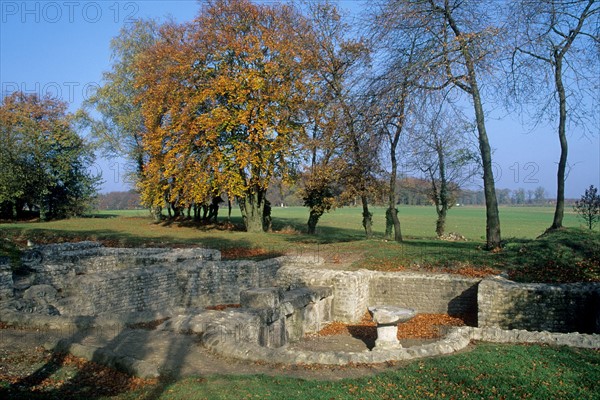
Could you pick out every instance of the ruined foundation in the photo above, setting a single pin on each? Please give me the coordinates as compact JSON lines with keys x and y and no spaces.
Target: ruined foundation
{"x":87,"y":286}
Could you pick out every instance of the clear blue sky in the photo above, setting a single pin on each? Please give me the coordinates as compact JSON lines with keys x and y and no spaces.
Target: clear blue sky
{"x":62,"y":47}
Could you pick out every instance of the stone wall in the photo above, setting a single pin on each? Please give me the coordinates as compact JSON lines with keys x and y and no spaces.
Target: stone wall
{"x":355,"y":291}
{"x":6,"y":280}
{"x":88,"y":279}
{"x":220,"y":282}
{"x":121,"y":291}
{"x":430,"y":294}
{"x":539,"y":307}
{"x":351,"y":293}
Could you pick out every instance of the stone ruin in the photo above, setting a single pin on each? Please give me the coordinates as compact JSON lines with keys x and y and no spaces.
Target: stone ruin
{"x":71,"y":281}
{"x":85,"y":285}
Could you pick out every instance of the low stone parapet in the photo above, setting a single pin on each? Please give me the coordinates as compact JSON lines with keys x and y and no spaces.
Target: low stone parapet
{"x":457,"y":339}
{"x":354,"y":291}
{"x":539,"y":307}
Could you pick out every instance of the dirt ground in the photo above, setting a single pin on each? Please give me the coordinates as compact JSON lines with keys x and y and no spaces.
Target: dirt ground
{"x":23,"y":353}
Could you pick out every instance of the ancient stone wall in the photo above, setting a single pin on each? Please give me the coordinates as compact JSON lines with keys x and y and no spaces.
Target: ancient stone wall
{"x":6,"y":280}
{"x":539,"y":307}
{"x":88,"y":279}
{"x":220,"y":282}
{"x":355,"y":291}
{"x":138,"y":289}
{"x":431,"y":294}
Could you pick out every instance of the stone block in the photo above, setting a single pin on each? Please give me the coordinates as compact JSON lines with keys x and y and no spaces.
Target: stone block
{"x":274,"y":335}
{"x":40,"y":293}
{"x":261,"y":298}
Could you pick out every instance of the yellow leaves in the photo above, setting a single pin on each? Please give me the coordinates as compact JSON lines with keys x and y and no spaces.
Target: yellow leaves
{"x":219,"y":99}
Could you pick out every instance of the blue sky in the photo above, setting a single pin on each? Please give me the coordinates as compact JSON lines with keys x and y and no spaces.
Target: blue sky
{"x":62,"y":47}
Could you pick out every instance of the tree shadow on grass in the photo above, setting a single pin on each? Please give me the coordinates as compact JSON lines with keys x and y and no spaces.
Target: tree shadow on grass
{"x":105,"y":374}
{"x":325,"y":234}
{"x":100,"y":216}
{"x":55,"y":378}
{"x":431,"y":252}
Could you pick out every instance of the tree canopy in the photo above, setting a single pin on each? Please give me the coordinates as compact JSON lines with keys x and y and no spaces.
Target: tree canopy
{"x":44,"y":164}
{"x":221,"y":101}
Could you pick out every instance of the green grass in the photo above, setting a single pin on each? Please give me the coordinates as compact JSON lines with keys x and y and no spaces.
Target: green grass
{"x":340,"y":236}
{"x":419,"y":221}
{"x":489,"y":371}
{"x":567,"y":255}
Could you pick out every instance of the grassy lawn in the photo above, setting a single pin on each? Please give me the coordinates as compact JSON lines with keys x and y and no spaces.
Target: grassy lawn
{"x":340,"y":237}
{"x":488,"y":371}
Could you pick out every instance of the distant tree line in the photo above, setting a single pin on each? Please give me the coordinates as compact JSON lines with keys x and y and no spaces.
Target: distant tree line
{"x":129,"y":200}
{"x":413,"y":192}
{"x":418,"y":192}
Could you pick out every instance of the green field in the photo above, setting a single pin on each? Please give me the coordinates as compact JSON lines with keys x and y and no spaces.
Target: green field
{"x":419,"y":221}
{"x":340,"y":235}
{"x":340,"y":225}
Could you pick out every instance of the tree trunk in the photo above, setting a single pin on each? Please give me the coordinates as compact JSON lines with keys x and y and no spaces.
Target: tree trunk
{"x":442,"y":207}
{"x":7,"y":210}
{"x":492,"y":228}
{"x":313,"y":219}
{"x":18,"y":207}
{"x":440,"y":224}
{"x":156,"y":212}
{"x":392,"y":222}
{"x":252,"y":207}
{"x":213,"y":209}
{"x":367,"y":220}
{"x":389,"y":223}
{"x":266,"y":218}
{"x":196,"y":212}
{"x":562,"y":163}
{"x":391,"y":215}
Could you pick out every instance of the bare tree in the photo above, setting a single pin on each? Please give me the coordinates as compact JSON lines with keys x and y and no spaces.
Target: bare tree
{"x":394,"y":90}
{"x":392,"y":118}
{"x":335,"y":58}
{"x":458,"y":41}
{"x":441,"y":149}
{"x":340,"y":119}
{"x":556,"y":62}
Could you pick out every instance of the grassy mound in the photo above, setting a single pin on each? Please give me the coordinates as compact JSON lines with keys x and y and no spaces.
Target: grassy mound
{"x":560,"y":256}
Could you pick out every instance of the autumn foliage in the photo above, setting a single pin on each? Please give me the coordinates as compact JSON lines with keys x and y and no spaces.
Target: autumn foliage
{"x":221,"y":98}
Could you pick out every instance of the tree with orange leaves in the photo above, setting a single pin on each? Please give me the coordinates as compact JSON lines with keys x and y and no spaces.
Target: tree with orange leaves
{"x":221,"y":99}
